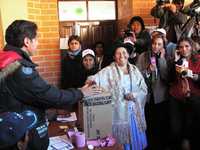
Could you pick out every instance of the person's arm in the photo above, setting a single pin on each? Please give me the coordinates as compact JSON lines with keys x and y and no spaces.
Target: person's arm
{"x":31,"y":89}
{"x":163,"y":67}
{"x":100,"y":78}
{"x":157,"y":11}
{"x":162,"y":64}
{"x":142,"y":65}
{"x":142,"y":88}
{"x":178,"y":18}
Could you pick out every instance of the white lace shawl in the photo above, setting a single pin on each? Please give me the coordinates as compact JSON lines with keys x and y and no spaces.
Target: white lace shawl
{"x":110,"y":79}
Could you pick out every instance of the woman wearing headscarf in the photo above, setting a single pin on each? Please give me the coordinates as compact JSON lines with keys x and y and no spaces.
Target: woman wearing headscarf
{"x":129,"y":90}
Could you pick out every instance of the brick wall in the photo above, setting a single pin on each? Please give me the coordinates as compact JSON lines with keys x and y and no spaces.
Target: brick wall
{"x":142,"y":8}
{"x":44,"y":13}
{"x":125,"y":10}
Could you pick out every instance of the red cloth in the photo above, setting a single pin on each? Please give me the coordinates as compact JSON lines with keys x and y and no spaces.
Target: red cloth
{"x":182,"y":86}
{"x":7,"y":57}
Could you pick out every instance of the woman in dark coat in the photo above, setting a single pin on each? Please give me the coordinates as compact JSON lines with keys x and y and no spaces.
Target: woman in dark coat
{"x":71,"y":64}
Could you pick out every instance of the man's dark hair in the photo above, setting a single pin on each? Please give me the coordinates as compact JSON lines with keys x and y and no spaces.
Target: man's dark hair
{"x":18,"y":30}
{"x":99,"y":43}
{"x":178,"y":1}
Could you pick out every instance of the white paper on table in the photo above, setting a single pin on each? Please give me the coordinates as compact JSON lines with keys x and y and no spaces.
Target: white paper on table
{"x":68,"y":119}
{"x":60,"y":143}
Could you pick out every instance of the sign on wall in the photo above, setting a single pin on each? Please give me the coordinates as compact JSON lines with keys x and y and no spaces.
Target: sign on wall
{"x":86,"y":10}
{"x":101,"y":10}
{"x":72,"y":10}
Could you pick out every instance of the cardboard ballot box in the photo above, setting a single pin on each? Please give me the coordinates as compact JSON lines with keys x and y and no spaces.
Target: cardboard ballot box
{"x":97,"y":115}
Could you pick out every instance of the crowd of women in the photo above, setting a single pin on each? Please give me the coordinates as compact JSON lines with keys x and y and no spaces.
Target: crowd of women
{"x":153,"y":77}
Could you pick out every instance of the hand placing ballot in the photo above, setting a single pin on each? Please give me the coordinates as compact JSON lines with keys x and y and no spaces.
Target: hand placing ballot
{"x":90,"y":82}
{"x":88,"y":90}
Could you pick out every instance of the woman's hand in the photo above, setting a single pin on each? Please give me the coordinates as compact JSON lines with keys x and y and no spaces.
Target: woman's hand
{"x":162,"y":53}
{"x":151,"y":68}
{"x":90,"y":82}
{"x":129,"y":97}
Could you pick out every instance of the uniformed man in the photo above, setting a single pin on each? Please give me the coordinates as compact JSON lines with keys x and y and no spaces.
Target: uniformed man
{"x":21,"y":86}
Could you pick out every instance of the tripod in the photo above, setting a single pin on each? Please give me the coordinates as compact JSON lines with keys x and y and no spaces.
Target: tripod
{"x":192,"y":26}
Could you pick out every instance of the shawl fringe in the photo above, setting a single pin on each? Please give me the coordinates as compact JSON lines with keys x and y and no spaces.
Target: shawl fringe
{"x":121,"y":133}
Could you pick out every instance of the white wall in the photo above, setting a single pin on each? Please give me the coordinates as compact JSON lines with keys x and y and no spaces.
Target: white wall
{"x":12,"y":10}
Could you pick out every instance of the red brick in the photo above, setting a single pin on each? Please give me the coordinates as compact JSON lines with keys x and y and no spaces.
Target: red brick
{"x":52,"y":57}
{"x":47,"y":74}
{"x":37,"y":58}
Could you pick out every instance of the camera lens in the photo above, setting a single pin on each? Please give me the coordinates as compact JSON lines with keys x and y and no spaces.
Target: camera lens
{"x":183,"y":73}
{"x":179,"y":62}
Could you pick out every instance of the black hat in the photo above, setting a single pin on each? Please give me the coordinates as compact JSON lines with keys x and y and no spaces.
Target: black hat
{"x":128,"y":46}
{"x":13,"y":126}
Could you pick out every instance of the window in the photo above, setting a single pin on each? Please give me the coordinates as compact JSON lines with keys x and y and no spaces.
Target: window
{"x":87,"y":10}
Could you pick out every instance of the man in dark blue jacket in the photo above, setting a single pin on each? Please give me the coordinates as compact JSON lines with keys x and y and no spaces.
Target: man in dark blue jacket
{"x":22,"y":88}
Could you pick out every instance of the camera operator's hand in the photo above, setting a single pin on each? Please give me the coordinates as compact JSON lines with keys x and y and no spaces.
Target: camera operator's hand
{"x":191,"y":75}
{"x":195,"y":77}
{"x":171,"y":7}
{"x":188,"y":74}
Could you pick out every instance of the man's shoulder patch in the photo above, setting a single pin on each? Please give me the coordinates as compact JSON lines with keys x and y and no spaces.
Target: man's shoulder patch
{"x":27,"y":70}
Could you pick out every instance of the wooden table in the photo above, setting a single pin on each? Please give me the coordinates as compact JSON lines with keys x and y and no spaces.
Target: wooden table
{"x":54,"y":130}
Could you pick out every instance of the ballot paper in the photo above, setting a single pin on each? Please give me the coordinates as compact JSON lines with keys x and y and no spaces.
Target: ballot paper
{"x":64,"y":118}
{"x":60,"y":143}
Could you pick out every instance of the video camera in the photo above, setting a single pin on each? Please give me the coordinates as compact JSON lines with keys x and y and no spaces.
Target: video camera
{"x":161,"y":2}
{"x":194,"y":9}
{"x":182,"y":66}
{"x":128,"y":33}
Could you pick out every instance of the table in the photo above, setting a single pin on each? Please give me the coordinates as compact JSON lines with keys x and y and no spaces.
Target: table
{"x":54,"y":130}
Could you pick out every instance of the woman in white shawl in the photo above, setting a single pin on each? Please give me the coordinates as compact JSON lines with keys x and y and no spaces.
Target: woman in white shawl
{"x":129,"y":91}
